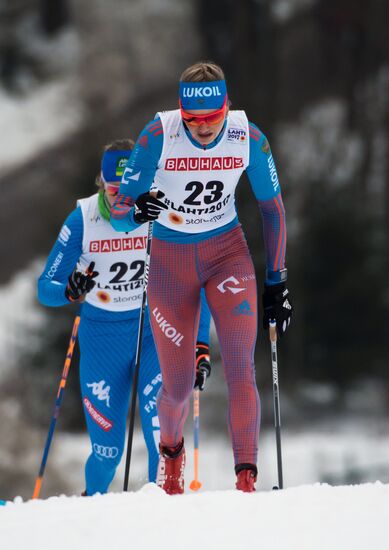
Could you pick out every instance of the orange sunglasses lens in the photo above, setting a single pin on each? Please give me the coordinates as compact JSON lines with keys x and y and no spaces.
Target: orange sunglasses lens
{"x":111,"y":189}
{"x":212,"y":118}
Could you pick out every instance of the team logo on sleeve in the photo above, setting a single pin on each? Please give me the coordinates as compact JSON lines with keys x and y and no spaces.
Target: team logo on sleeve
{"x":64,"y":235}
{"x":273,"y":173}
{"x":144,"y":142}
{"x":265,"y":147}
{"x":53,"y":269}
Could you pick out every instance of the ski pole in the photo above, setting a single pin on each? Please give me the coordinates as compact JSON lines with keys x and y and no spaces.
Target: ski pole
{"x":196,"y":484}
{"x":58,"y":401}
{"x":276,"y":400}
{"x":137,"y":359}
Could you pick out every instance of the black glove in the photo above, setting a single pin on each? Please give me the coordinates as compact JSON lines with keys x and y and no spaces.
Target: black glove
{"x":277,"y":307}
{"x":148,"y":207}
{"x":80,"y":283}
{"x":203,"y":365}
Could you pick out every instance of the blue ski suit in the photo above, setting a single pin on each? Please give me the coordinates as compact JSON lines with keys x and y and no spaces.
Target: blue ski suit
{"x":108,"y":341}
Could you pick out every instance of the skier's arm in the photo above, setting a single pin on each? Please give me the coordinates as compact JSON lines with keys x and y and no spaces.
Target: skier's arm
{"x":264,"y":181}
{"x":62,"y":259}
{"x":138,"y":175}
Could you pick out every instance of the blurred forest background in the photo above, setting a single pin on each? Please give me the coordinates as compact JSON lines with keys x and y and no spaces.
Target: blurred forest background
{"x":314,"y":76}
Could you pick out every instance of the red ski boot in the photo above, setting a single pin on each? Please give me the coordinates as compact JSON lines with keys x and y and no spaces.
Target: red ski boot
{"x":170,"y":475}
{"x":246,"y":477}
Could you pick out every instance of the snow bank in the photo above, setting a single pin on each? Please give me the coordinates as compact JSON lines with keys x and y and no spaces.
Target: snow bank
{"x":316,"y":517}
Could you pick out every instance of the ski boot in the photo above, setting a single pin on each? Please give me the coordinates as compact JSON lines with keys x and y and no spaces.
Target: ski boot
{"x":170,"y":475}
{"x":246,"y":475}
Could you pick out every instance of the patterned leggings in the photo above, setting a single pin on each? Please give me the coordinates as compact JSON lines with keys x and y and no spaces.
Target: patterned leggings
{"x":222,"y":265}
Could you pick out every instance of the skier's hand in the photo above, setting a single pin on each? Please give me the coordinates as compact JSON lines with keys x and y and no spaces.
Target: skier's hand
{"x":148,"y":207}
{"x":80,"y":283}
{"x":203,"y":365}
{"x":277,"y":307}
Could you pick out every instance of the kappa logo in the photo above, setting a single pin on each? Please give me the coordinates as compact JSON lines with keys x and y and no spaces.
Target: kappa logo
{"x":64,"y":235}
{"x":101,"y":392}
{"x":286,"y":304}
{"x":243,"y":309}
{"x":223,"y":286}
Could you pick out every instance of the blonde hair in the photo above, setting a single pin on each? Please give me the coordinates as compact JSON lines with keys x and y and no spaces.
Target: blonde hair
{"x":117,"y":145}
{"x":203,"y":71}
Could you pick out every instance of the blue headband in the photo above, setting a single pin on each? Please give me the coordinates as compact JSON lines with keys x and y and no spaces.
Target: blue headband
{"x":203,"y":95}
{"x":113,"y":164}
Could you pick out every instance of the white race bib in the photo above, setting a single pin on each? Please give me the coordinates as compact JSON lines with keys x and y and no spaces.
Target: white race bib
{"x":199,"y":184}
{"x":119,"y":259}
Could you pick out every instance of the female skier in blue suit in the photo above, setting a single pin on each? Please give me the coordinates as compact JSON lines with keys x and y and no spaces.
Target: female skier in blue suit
{"x":111,"y":297}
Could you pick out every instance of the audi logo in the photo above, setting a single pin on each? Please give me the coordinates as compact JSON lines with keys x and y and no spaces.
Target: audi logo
{"x":105,"y":452}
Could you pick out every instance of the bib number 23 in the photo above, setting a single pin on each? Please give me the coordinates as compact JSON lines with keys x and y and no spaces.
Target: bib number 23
{"x":213,"y":192}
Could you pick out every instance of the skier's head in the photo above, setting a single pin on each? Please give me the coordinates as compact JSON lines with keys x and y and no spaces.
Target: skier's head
{"x":203,"y":100}
{"x":113,"y":162}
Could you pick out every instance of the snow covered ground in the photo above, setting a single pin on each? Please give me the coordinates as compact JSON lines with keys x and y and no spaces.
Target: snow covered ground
{"x":317,"y":517}
{"x":306,"y":515}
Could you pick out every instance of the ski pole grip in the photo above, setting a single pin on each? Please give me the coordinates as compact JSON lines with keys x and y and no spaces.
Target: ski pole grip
{"x":273,"y":331}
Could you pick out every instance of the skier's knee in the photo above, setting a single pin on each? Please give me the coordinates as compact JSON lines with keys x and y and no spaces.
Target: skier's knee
{"x":179,"y":394}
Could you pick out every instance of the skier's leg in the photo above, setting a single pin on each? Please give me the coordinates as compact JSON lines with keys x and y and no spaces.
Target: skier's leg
{"x":150,"y":379}
{"x":174,"y":301}
{"x":105,"y":387}
{"x":232,"y":297}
